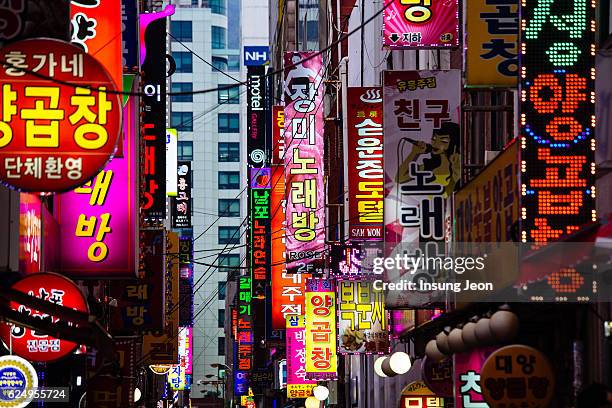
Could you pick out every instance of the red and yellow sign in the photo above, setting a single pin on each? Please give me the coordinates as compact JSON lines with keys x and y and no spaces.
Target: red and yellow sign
{"x":54,"y":137}
{"x":418,"y":395}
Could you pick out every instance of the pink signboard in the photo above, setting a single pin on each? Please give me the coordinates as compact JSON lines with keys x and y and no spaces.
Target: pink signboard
{"x":305,"y":211}
{"x":421,"y":23}
{"x":468,"y":391}
{"x":30,"y":233}
{"x":98,"y":221}
{"x":186,"y":349}
{"x":297,"y":384}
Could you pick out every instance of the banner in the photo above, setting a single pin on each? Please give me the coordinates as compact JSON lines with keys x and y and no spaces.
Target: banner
{"x":557,"y":118}
{"x":421,"y":23}
{"x":362,"y":318}
{"x":305,"y":189}
{"x":278,"y":135}
{"x":321,"y":357}
{"x":491,"y":57}
{"x":99,"y":220}
{"x":243,"y":346}
{"x":257,"y":150}
{"x":297,"y":384}
{"x":171,"y":162}
{"x":365,"y":161}
{"x":129,"y":34}
{"x":181,"y":204}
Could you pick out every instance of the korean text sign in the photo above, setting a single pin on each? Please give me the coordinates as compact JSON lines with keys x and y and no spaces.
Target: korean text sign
{"x":365,"y":159}
{"x":321,"y":357}
{"x":259,"y":233}
{"x":362,"y":318}
{"x":181,"y":204}
{"x":30,"y":233}
{"x":57,"y":136}
{"x":297,"y":384}
{"x":422,"y":152}
{"x":99,"y":220}
{"x":492,"y":44}
{"x":305,"y":209}
{"x":557,"y":118}
{"x":243,"y":362}
{"x":468,"y":387}
{"x":421,"y":23}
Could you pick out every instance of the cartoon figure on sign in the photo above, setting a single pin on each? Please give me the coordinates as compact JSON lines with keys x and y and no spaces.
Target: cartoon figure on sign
{"x":443,"y":159}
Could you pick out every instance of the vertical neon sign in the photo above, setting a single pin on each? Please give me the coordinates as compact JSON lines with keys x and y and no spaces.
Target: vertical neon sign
{"x":557,"y":117}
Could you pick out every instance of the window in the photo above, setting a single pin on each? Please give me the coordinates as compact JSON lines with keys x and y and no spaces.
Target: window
{"x":219,"y":64}
{"x":229,"y":235}
{"x":182,"y":87}
{"x":228,"y":263}
{"x":217,"y":6}
{"x":228,"y":95}
{"x":185,"y":150}
{"x":221,"y":290}
{"x":229,"y":180}
{"x":182,"y":121}
{"x":229,"y":152}
{"x":233,"y":63}
{"x":228,"y":123}
{"x":181,"y":30}
{"x":221,"y":346}
{"x":221,"y":320}
{"x":184,"y":61}
{"x":218,"y":38}
{"x":229,"y":207}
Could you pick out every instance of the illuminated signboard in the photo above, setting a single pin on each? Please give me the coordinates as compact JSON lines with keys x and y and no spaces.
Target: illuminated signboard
{"x":557,"y":118}
{"x":278,"y":135}
{"x":181,"y":204}
{"x":29,"y":344}
{"x":153,"y":66}
{"x":57,"y":136}
{"x":177,"y":377}
{"x":491,"y":57}
{"x":185,"y":281}
{"x":418,"y":395}
{"x":30,"y":233}
{"x":305,"y":209}
{"x":129,"y":34}
{"x":321,"y":357}
{"x":297,"y":384}
{"x":244,"y":338}
{"x":257,"y":151}
{"x":421,"y":23}
{"x":468,"y":388}
{"x":259,"y":233}
{"x":171,"y":162}
{"x":355,"y":259}
{"x":99,"y":220}
{"x":362,"y":318}
{"x":365,"y":161}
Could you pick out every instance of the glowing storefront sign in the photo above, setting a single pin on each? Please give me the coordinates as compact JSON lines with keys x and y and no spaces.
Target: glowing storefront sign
{"x":321,"y":358}
{"x":297,"y":384}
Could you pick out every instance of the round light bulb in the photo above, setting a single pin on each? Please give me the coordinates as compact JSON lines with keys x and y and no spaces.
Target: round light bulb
{"x":400,"y":363}
{"x":312,"y":402}
{"x":320,"y":392}
{"x":378,"y":366}
{"x":137,"y":394}
{"x":431,"y":350}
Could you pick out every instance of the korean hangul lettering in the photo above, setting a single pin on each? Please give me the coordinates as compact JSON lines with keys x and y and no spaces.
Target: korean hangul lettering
{"x":291,"y":292}
{"x":54,"y":344}
{"x":45,"y":108}
{"x":43,"y":345}
{"x":412,"y":37}
{"x":57,"y":296}
{"x":13,"y":166}
{"x":347,"y":295}
{"x":470,"y":382}
{"x":53,"y":167}
{"x":138,"y":291}
{"x":437,"y":117}
{"x":412,"y":402}
{"x":293,"y":321}
{"x":100,"y":189}
{"x":503,"y":363}
{"x":322,"y":304}
{"x":303,"y":162}
{"x":74,"y":167}
{"x":431,"y":82}
{"x":245,"y":337}
{"x":86,"y":227}
{"x":320,"y":331}
{"x":33,"y":167}
{"x":45,"y":59}
{"x":527,"y":363}
{"x":73,"y":64}
{"x":434,"y":402}
{"x":136,"y":313}
{"x":370,"y":211}
{"x":487,"y":211}
{"x":320,"y":358}
{"x":15,"y":63}
{"x":245,"y":296}
{"x":417,"y":11}
{"x":378,"y":309}
{"x":402,"y":85}
{"x":304,"y":128}
{"x":32,"y":346}
{"x":304,"y":192}
{"x":244,"y":282}
{"x":420,"y":182}
{"x":432,"y":217}
{"x":304,"y":223}
{"x":408,"y":113}
{"x":502,"y":22}
{"x":538,"y":386}
{"x":288,"y":309}
{"x":83,"y":100}
{"x":421,"y":83}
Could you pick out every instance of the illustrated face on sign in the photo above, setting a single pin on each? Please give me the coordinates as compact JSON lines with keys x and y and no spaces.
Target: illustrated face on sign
{"x":440,"y":143}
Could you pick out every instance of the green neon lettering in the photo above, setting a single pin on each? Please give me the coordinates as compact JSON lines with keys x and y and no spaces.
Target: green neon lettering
{"x":574,"y":23}
{"x":540,"y":16}
{"x":563,"y":54}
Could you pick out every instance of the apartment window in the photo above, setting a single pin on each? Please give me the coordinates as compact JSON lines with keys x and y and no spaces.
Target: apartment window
{"x":184,"y":61}
{"x":233,"y":63}
{"x":219,"y":64}
{"x":185,"y":150}
{"x":229,"y":180}
{"x":217,"y":6}
{"x":218,"y":38}
{"x":229,"y":152}
{"x":228,"y":95}
{"x":181,"y":30}
{"x":229,"y":235}
{"x":221,"y":316}
{"x":221,"y":291}
{"x":228,"y":263}
{"x":228,"y":123}
{"x":229,"y":207}
{"x":182,"y":121}
{"x":182,"y":87}
{"x":221,"y":346}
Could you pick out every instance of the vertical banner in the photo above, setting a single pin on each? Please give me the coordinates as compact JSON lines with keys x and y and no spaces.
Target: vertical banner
{"x":181,"y":204}
{"x":365,"y":159}
{"x":243,"y":363}
{"x":95,"y":29}
{"x":491,"y":57}
{"x":171,"y":162}
{"x":297,"y":384}
{"x":468,"y":388}
{"x":321,"y":357}
{"x":153,"y":161}
{"x":99,"y":220}
{"x":305,"y":189}
{"x":422,"y":152}
{"x":557,"y":118}
{"x":259,"y":236}
{"x":421,"y":23}
{"x":258,"y":154}
{"x":362,"y":318}
{"x":129,"y":28}
{"x":185,"y":281}
{"x":172,"y":280}
{"x":278,"y":135}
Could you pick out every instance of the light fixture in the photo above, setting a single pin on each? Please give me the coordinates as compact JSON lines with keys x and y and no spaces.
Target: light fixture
{"x":320,"y":392}
{"x":312,"y":402}
{"x":431,"y":351}
{"x":469,"y":335}
{"x":504,"y":325}
{"x":378,"y":366}
{"x":137,"y":394}
{"x":483,"y":332}
{"x":442,"y":342}
{"x":79,"y":380}
{"x":455,"y":341}
{"x":397,"y":364}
